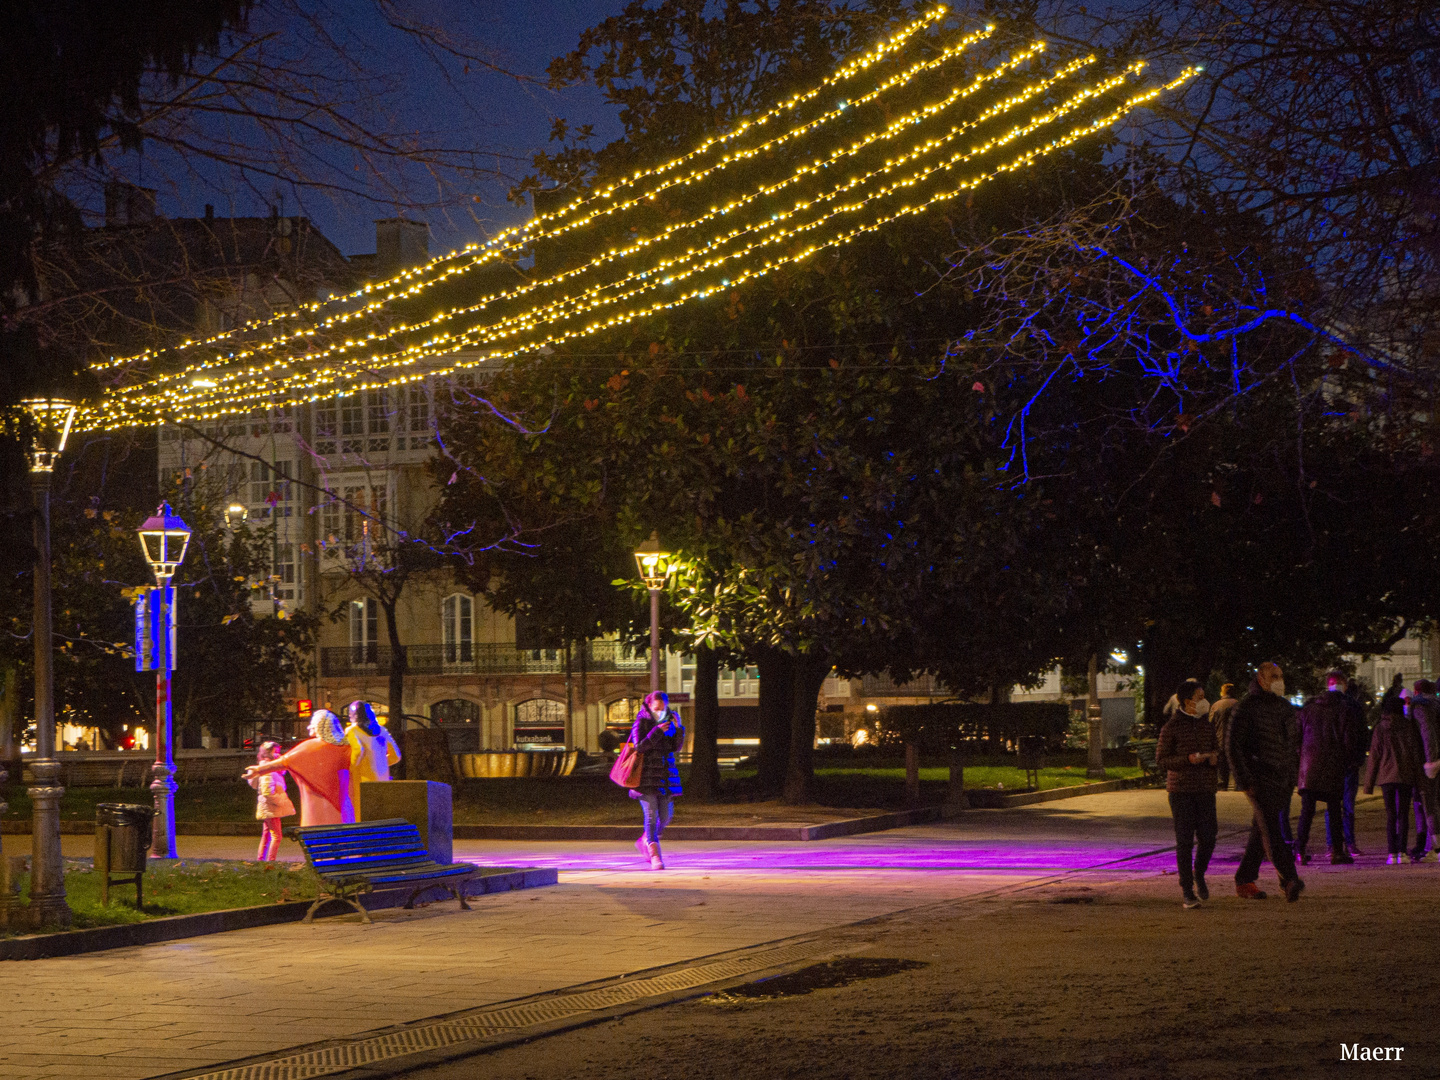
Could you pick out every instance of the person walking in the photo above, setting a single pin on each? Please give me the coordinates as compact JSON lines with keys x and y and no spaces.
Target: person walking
{"x":1425,"y":713}
{"x":657,"y":734}
{"x":272,"y":802}
{"x":1351,"y":786}
{"x":1262,"y":753}
{"x":1220,"y":714}
{"x":1394,"y":764}
{"x":1332,"y":730}
{"x":1188,"y":754}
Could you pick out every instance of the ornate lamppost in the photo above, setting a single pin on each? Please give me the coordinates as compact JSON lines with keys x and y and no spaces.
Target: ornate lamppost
{"x":50,"y":420}
{"x":656,"y":565}
{"x":164,"y":538}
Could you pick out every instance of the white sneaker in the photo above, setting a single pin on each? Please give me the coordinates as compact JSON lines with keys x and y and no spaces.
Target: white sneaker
{"x":1392,"y":860}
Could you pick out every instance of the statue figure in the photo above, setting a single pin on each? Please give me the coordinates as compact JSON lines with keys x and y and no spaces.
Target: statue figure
{"x":321,"y":766}
{"x":372,"y":749}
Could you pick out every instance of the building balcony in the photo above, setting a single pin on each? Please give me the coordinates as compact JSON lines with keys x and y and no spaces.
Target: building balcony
{"x":595,"y":657}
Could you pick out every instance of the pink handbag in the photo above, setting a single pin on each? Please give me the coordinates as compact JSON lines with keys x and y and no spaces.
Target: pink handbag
{"x":628,"y":766}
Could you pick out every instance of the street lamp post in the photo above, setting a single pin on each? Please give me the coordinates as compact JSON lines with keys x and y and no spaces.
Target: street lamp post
{"x":50,"y":420}
{"x":164,"y":538}
{"x":656,"y":565}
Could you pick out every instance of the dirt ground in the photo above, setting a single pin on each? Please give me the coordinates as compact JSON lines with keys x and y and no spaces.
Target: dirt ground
{"x":1099,"y":975}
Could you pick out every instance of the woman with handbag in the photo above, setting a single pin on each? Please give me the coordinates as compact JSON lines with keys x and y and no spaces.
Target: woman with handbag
{"x":654,"y":738}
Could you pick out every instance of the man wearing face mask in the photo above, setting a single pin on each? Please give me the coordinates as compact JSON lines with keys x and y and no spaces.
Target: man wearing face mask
{"x":1263,"y":759}
{"x":1332,"y":730}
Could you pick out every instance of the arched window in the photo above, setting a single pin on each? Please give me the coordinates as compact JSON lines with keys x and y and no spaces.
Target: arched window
{"x":457,"y":621}
{"x":540,"y":722}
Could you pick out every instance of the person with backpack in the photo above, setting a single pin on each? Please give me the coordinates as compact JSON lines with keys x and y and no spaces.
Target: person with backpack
{"x":1394,"y":764}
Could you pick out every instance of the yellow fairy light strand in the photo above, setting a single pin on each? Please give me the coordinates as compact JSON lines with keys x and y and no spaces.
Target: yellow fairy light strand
{"x":551,"y":311}
{"x":892,"y":129}
{"x":516,"y":237}
{"x":1026,"y":158}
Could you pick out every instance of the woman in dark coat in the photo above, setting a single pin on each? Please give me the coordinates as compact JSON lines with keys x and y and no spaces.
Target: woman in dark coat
{"x":1395,"y":764}
{"x":1188,"y":754}
{"x":657,"y":734}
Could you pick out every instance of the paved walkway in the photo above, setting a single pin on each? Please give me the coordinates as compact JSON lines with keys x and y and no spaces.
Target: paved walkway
{"x":138,"y":1012}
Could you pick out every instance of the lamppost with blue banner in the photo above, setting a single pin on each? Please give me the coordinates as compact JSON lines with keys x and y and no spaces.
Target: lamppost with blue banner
{"x":164,"y":538}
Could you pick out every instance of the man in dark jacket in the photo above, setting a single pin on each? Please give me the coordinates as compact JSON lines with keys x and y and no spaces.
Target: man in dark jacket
{"x":1425,"y":711}
{"x":1332,"y":732}
{"x":1262,"y":754}
{"x":1352,"y":778}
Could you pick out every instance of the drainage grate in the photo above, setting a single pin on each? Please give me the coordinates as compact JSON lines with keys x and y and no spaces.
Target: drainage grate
{"x":490,"y":1022}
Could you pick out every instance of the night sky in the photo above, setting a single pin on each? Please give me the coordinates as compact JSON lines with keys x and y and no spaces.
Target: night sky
{"x":479,"y":109}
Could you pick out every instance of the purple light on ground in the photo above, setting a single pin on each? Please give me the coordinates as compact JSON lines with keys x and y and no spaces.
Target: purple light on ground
{"x":811,"y":857}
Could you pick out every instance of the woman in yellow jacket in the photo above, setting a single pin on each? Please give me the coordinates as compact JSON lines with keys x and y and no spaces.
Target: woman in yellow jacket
{"x":372,"y":750}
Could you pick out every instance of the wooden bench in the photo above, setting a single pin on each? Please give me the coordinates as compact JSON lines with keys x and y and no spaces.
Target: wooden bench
{"x":1146,"y":751}
{"x":351,"y":860}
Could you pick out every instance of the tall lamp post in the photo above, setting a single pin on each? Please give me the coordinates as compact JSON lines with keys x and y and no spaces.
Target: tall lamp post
{"x":50,"y":420}
{"x":163,"y":538}
{"x":656,"y":565}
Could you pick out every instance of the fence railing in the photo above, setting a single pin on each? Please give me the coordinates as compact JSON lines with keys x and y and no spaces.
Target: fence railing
{"x":926,"y":686}
{"x":484,"y":659}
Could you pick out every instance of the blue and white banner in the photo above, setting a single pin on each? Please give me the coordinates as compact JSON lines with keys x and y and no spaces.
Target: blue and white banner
{"x":155,"y":629}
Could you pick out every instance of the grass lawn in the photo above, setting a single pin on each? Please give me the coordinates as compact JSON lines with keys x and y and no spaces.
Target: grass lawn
{"x":225,"y":801}
{"x":988,"y":776}
{"x":843,"y":788}
{"x":182,"y":888}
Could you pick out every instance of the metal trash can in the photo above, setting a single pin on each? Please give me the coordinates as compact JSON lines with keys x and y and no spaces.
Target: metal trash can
{"x":122,"y":846}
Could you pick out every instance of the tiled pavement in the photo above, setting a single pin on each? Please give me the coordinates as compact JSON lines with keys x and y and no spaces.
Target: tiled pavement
{"x":138,"y":1012}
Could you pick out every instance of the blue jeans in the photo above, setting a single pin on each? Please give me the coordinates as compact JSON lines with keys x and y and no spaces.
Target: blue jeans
{"x":1347,"y":815}
{"x":658,"y":810}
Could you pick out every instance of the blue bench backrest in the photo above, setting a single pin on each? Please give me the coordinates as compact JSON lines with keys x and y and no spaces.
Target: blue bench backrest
{"x":391,"y":844}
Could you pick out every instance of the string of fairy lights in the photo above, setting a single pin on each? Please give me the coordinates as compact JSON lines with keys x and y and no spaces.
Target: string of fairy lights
{"x":552,"y":223}
{"x":554,"y":309}
{"x":849,"y":172}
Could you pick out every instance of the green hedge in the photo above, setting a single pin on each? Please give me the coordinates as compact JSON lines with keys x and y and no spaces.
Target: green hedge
{"x":937,"y":727}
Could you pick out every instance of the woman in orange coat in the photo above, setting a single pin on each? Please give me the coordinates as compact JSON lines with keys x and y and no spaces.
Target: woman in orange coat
{"x":321,"y":766}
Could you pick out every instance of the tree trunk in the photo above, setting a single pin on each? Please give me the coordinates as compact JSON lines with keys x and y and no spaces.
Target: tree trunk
{"x":1164,"y":671}
{"x":809,"y":675}
{"x":912,"y":774}
{"x":1095,"y":733}
{"x":569,"y":699}
{"x":704,"y":753}
{"x":777,"y":692}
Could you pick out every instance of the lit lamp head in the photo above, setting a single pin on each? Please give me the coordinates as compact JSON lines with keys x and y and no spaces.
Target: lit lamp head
{"x":50,"y":420}
{"x":235,"y":514}
{"x":656,"y":565}
{"x":164,"y":537}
